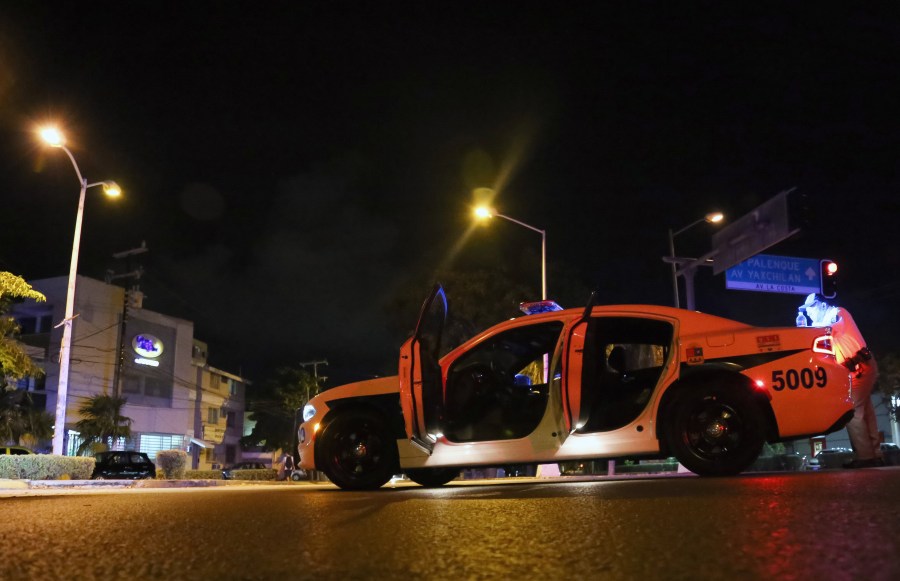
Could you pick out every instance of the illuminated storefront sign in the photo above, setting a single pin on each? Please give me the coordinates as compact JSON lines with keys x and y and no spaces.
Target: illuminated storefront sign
{"x":148,"y":347}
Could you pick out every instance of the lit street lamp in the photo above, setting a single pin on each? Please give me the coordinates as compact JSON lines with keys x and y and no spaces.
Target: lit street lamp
{"x":711,"y":218}
{"x":54,"y":138}
{"x":483,"y":212}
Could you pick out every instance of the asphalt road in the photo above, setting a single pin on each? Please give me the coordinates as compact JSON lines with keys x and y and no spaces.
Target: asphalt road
{"x":826,"y":525}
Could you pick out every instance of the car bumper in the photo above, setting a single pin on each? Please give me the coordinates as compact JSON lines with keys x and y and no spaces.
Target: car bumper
{"x":306,"y":447}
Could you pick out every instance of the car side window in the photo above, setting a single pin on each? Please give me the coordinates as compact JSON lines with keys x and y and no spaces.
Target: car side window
{"x":496,"y":391}
{"x":624,"y":358}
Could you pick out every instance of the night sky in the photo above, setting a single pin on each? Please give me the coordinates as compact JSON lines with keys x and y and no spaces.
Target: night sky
{"x":293,"y":168}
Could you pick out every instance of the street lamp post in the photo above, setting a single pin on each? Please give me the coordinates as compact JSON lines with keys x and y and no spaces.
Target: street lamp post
{"x":55,"y":139}
{"x":711,"y":218}
{"x":485,"y":212}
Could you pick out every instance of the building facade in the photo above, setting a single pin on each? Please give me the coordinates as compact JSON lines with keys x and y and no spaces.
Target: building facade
{"x":174,"y":398}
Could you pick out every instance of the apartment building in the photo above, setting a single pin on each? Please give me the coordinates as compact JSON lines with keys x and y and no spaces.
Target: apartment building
{"x":175,"y":399}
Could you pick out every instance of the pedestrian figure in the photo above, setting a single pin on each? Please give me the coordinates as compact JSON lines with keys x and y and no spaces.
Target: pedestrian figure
{"x":851,"y":351}
{"x":285,"y":467}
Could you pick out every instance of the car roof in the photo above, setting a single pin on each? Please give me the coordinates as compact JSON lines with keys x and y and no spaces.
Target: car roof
{"x":118,"y":453}
{"x":690,"y":322}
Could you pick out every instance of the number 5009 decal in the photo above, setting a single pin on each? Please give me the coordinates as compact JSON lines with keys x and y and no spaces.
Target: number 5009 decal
{"x":793,"y":378}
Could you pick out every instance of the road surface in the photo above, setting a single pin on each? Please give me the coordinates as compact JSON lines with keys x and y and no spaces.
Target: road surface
{"x":825,"y":525}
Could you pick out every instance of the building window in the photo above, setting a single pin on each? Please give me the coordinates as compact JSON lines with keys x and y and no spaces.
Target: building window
{"x":147,"y":390}
{"x":212,"y":416}
{"x":28,"y":325}
{"x":45,"y":323}
{"x":230,"y":419}
{"x":230,"y":453}
{"x":74,"y":441}
{"x":153,"y":443}
{"x":234,"y":388}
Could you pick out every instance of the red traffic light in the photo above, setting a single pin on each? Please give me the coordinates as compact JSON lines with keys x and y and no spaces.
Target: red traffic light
{"x":828,"y":276}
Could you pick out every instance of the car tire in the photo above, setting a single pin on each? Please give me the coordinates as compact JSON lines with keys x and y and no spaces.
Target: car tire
{"x":296,"y":476}
{"x":432,"y":477}
{"x":357,"y":451}
{"x":715,"y":430}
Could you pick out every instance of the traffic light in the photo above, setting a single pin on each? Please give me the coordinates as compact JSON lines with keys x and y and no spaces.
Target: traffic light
{"x":828,"y":276}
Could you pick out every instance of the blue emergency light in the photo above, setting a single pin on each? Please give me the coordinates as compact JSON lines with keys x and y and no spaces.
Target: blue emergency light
{"x":536,"y":307}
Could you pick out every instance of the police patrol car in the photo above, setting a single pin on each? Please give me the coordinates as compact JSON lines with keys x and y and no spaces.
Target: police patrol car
{"x":558,"y":385}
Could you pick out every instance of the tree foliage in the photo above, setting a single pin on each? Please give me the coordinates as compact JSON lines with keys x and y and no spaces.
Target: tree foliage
{"x":274,"y":405}
{"x":102,"y":423}
{"x":15,"y":286}
{"x":14,"y":362}
{"x":477,"y":299}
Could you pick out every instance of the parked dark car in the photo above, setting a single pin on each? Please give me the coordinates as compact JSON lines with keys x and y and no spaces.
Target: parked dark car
{"x":123,"y":466}
{"x":831,"y":458}
{"x":227,"y":472}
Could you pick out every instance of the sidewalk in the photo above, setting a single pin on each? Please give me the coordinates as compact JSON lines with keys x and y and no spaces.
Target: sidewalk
{"x":13,"y":485}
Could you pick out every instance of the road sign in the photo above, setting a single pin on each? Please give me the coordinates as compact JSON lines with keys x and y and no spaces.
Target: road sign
{"x":775,"y":274}
{"x":764,"y":227}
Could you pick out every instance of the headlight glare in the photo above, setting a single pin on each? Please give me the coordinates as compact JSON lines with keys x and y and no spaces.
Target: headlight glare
{"x":309,"y":412}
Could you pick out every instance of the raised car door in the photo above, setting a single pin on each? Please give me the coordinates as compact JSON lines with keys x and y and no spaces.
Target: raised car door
{"x":421,"y":384}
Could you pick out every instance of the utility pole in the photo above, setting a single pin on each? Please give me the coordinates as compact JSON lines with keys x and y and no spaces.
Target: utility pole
{"x":133,"y":299}
{"x":315,"y":366}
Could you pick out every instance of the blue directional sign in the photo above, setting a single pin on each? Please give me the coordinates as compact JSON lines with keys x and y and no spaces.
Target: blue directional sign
{"x":775,"y":274}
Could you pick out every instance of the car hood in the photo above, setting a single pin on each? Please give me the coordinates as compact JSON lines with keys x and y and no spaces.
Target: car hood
{"x":377,"y":386}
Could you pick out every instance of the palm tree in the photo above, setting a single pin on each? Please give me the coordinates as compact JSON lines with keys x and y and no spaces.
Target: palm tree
{"x":102,"y":422}
{"x":20,"y":420}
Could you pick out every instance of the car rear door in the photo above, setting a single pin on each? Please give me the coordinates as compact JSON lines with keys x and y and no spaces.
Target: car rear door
{"x":421,"y":383}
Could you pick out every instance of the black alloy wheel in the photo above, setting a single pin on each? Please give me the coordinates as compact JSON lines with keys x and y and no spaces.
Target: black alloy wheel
{"x":357,"y":451}
{"x":715,"y":431}
{"x":432,"y":477}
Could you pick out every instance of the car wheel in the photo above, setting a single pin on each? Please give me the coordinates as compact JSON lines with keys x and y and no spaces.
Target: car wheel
{"x":296,"y":476}
{"x":715,"y":431}
{"x":432,"y":477}
{"x":357,"y":451}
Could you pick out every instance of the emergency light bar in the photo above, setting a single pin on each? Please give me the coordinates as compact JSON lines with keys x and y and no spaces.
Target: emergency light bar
{"x":536,"y":307}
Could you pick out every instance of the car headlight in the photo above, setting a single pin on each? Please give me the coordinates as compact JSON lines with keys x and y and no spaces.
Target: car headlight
{"x":309,"y":412}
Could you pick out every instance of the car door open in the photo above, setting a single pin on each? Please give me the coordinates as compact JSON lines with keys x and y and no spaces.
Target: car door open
{"x":421,"y":385}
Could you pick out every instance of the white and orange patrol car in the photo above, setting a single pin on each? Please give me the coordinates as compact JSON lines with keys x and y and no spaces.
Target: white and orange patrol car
{"x":598,"y":382}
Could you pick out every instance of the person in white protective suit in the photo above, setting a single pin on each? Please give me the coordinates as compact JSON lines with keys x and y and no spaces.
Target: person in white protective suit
{"x":851,"y":351}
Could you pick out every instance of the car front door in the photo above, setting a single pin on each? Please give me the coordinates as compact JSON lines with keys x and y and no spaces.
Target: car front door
{"x":421,"y":385}
{"x":497,"y":389}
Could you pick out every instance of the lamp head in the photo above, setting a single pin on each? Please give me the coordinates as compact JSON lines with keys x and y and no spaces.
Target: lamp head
{"x":52,"y":136}
{"x":483,"y":212}
{"x":714,"y":217}
{"x":112,"y":189}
